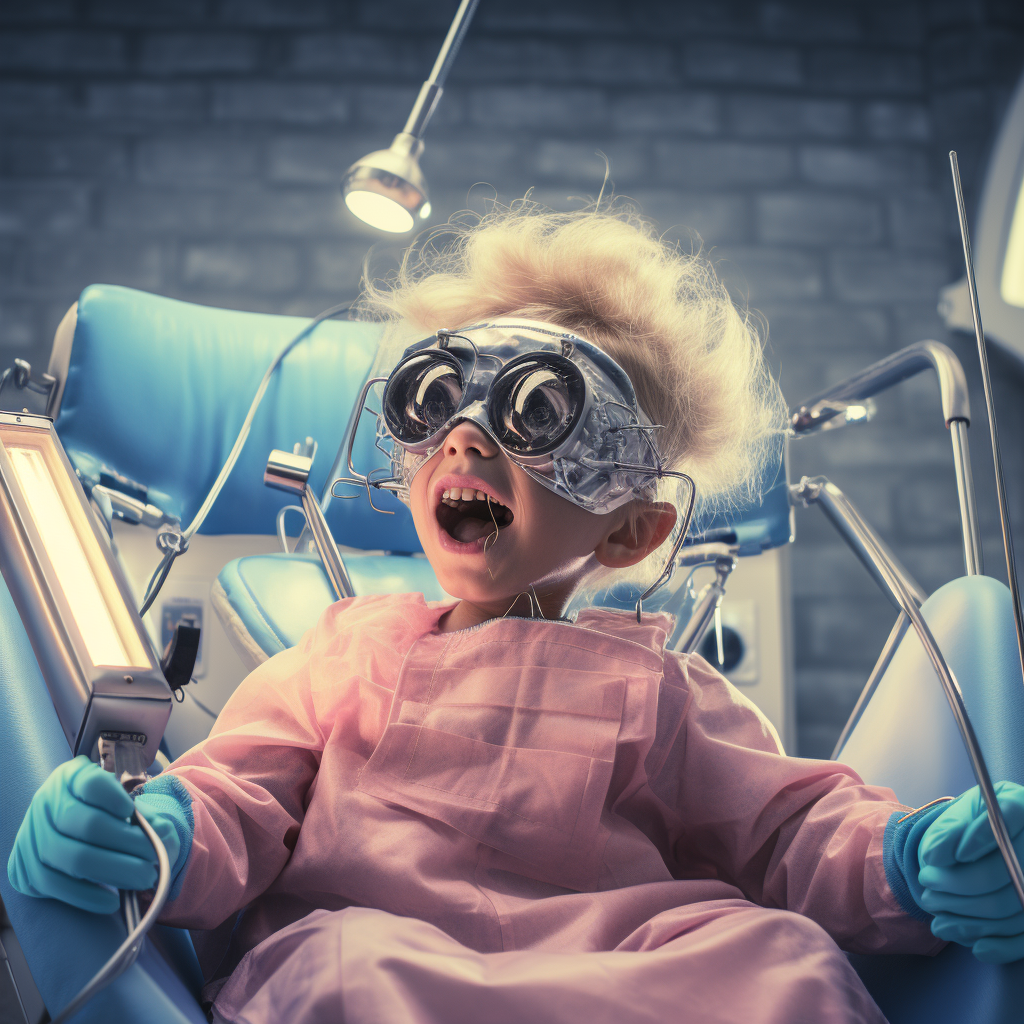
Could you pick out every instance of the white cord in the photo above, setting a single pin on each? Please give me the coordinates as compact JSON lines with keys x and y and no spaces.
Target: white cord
{"x":129,"y":949}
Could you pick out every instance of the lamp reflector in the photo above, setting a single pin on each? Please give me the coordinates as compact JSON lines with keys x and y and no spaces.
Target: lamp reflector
{"x":379,"y":211}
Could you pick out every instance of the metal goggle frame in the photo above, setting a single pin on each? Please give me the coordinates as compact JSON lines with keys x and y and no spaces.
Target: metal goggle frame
{"x":562,"y":409}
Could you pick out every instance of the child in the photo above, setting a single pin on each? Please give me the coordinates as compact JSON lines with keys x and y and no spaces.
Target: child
{"x":480,"y":811}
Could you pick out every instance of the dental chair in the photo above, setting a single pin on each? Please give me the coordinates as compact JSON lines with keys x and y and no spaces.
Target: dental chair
{"x":149,"y":394}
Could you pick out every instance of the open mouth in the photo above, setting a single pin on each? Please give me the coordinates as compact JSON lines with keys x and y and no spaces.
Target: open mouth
{"x":467,"y":514}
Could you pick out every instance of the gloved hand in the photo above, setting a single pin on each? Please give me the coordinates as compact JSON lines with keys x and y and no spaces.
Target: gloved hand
{"x":965,"y":883}
{"x":76,"y":833}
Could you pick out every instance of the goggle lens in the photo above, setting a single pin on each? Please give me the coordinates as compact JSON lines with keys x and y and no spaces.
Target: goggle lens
{"x":535,"y":404}
{"x":421,"y":396}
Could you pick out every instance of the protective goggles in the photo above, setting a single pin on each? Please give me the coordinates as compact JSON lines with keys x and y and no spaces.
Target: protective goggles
{"x":557,"y":405}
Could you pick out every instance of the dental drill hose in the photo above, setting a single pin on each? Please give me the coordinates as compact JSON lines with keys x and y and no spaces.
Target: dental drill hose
{"x":126,"y":953}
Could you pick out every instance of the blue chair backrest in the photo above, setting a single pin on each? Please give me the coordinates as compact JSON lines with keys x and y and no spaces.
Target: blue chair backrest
{"x":157,"y":391}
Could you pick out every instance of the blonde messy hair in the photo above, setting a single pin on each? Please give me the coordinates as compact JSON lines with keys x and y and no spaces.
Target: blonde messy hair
{"x":602,"y":272}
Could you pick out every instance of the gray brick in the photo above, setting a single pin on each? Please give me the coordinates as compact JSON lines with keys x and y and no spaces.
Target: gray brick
{"x":282,"y":13}
{"x":714,"y":218}
{"x":827,"y":570}
{"x":569,"y":110}
{"x":810,"y":21}
{"x":78,"y":156}
{"x":842,"y":632}
{"x":388,"y":106}
{"x":726,"y":18}
{"x":863,"y":167}
{"x":265,"y":266}
{"x":316,"y":159}
{"x":814,"y":739}
{"x":230,"y":209}
{"x":153,"y":12}
{"x":34,"y":208}
{"x":198,"y":53}
{"x":856,"y":70}
{"x":512,"y":15}
{"x":826,"y":329}
{"x":873,"y":276}
{"x":195,"y":158}
{"x":897,"y":122}
{"x":471,"y":161}
{"x":337,"y":266}
{"x":742,"y":63}
{"x":927,"y":508}
{"x":62,"y":52}
{"x":900,"y":25}
{"x":19,"y":327}
{"x":758,"y":273}
{"x":111,"y":259}
{"x":921,"y":221}
{"x":355,"y":55}
{"x":295,"y":102}
{"x":786,"y":117}
{"x":158,"y":101}
{"x":572,"y":60}
{"x":722,"y":163}
{"x":663,"y":111}
{"x":959,"y":58}
{"x":936,"y":563}
{"x":40,"y":12}
{"x":33,"y":100}
{"x":817,"y":218}
{"x":579,"y":162}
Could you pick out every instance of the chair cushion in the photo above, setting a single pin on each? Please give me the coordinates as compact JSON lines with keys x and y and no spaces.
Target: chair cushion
{"x":267,"y":602}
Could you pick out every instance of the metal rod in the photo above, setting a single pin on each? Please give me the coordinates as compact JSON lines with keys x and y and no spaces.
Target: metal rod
{"x":325,"y":545}
{"x":974,"y":563}
{"x":887,"y":372}
{"x":431,"y":90}
{"x":857,"y":533}
{"x":832,"y":500}
{"x":1004,"y":518}
{"x":898,"y":632}
{"x":709,"y":600}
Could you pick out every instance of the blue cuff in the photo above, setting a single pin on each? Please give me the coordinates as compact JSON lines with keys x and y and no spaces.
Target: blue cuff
{"x":903,"y":834}
{"x":167,"y":795}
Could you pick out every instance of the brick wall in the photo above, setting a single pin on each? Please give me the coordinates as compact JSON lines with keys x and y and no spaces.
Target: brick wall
{"x":194,"y":148}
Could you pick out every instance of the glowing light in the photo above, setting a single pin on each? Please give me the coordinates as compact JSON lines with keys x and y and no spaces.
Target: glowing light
{"x":1012,"y":284}
{"x":379,"y":211}
{"x":75,"y":575}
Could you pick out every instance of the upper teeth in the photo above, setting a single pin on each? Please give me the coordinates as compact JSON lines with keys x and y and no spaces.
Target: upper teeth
{"x":463,"y":494}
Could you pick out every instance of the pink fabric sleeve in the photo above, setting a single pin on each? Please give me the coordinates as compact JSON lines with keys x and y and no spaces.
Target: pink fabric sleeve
{"x":249,"y":782}
{"x":792,"y":833}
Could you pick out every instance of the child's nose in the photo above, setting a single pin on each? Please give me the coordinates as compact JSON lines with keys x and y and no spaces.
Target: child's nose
{"x":465,"y":437}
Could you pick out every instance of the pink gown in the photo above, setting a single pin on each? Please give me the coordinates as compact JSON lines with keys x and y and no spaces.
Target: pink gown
{"x":525,"y":821}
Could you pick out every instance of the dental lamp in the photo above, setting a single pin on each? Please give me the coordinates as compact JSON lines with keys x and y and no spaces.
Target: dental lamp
{"x":106,"y":681}
{"x":387,"y":189}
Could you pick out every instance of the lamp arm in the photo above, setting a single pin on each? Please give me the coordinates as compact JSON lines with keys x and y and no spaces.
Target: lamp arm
{"x":430,"y":91}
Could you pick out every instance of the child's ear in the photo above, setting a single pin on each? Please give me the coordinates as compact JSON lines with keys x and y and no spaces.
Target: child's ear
{"x":646,"y":525}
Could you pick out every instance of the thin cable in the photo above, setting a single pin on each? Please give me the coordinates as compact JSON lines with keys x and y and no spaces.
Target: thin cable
{"x":126,"y":953}
{"x":1004,"y":518}
{"x":160,"y":573}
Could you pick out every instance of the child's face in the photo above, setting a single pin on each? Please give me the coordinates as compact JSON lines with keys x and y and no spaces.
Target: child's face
{"x":541,"y":539}
{"x":548,"y":544}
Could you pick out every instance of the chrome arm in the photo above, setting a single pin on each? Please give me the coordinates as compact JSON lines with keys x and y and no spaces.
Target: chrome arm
{"x":710,"y":597}
{"x":829,"y":405}
{"x":857,"y":533}
{"x":289,"y":472}
{"x":880,"y":376}
{"x":974,"y":564}
{"x":838,"y":507}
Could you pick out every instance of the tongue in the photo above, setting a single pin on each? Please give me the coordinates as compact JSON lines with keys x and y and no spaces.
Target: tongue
{"x":470,"y":529}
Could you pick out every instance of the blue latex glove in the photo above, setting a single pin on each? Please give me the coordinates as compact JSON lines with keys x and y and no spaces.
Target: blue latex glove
{"x":965,"y":884}
{"x":76,"y":838}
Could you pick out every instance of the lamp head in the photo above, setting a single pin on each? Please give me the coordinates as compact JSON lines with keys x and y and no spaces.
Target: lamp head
{"x":386,"y":189}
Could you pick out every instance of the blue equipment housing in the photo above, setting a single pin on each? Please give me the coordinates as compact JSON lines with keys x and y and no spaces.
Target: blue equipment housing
{"x":155,"y":392}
